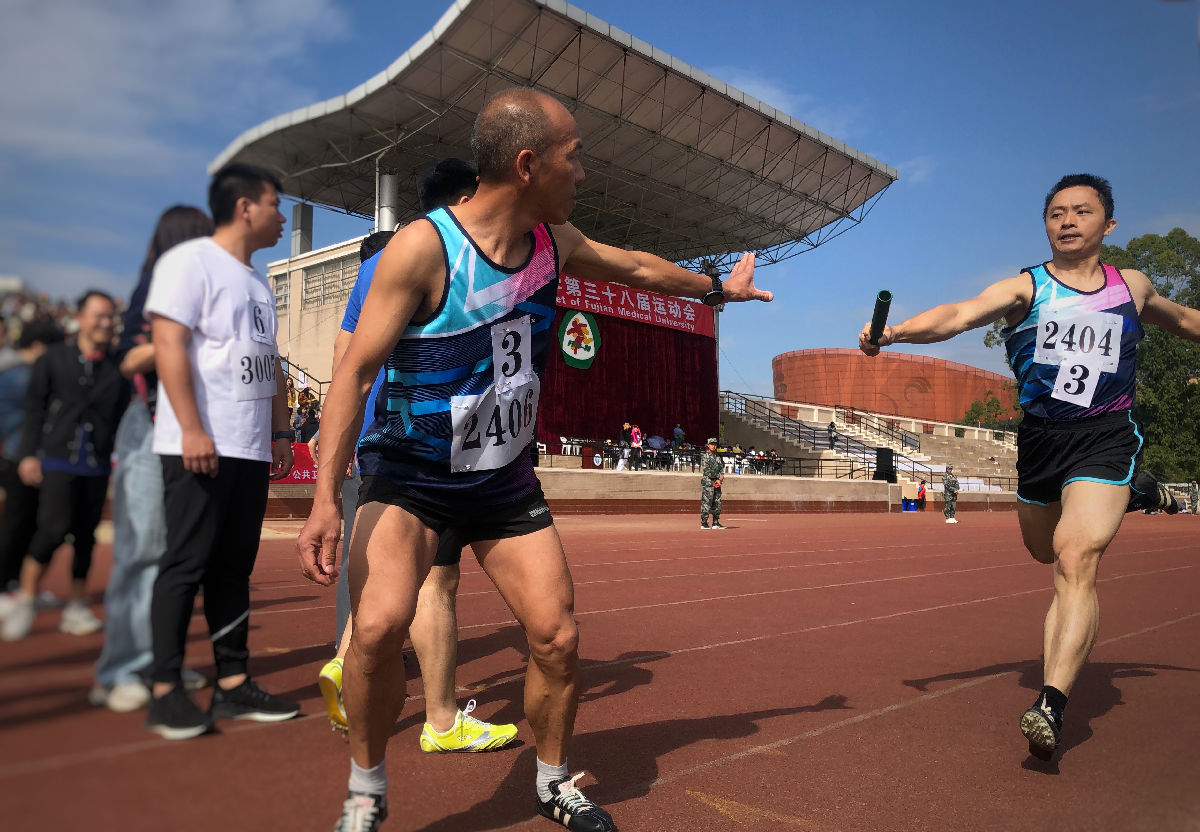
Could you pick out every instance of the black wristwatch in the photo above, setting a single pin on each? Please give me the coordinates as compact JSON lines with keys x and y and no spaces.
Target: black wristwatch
{"x":283,"y":434}
{"x":716,"y":295}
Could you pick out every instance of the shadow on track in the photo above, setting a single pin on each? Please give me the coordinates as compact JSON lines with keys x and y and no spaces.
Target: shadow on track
{"x":1094,"y":695}
{"x":623,"y":760}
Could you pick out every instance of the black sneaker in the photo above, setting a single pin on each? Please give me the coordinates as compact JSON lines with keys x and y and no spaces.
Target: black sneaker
{"x":174,"y":716}
{"x":1041,"y":726}
{"x":705,"y":527}
{"x":717,"y":525}
{"x":570,"y":808}
{"x":249,"y":701}
{"x":362,"y":812}
{"x":1148,"y":494}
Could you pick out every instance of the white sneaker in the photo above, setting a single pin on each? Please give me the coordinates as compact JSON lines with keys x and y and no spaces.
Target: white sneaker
{"x":8,"y":600}
{"x":19,"y":622}
{"x":77,"y":620}
{"x":951,"y":520}
{"x":127,"y":696}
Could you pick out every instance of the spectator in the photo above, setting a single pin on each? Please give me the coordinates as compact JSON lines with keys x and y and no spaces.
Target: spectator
{"x":1193,"y":496}
{"x":222,"y":433}
{"x":950,"y":491}
{"x":310,"y":425}
{"x":139,"y":526}
{"x":20,"y":501}
{"x":635,"y":444}
{"x":921,"y":496}
{"x":290,"y":386}
{"x":712,"y":475}
{"x":832,"y":429}
{"x":678,"y":437}
{"x":75,"y":399}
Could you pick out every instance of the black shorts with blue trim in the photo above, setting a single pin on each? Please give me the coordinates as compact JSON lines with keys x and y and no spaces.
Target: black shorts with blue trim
{"x":1054,"y":452}
{"x":462,"y":525}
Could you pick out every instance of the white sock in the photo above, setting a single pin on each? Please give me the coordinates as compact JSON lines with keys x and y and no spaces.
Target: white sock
{"x":369,"y":780}
{"x":545,"y":774}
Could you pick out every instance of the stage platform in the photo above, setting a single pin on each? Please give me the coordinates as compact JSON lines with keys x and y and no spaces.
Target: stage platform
{"x":655,"y":492}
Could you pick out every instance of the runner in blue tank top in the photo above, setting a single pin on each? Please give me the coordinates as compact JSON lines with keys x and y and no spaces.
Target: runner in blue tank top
{"x":1073,"y":326}
{"x":458,"y":312}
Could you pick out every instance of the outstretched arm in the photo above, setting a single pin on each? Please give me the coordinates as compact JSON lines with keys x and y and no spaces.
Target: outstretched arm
{"x":1171,"y":316}
{"x":943,"y":322}
{"x":585,"y":258}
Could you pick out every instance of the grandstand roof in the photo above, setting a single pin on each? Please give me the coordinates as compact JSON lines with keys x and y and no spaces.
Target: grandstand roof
{"x":678,"y":163}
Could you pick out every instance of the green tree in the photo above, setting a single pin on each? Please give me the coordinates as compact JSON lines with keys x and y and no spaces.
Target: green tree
{"x":992,"y":412}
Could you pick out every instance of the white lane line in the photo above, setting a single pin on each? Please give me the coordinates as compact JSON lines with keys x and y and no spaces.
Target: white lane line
{"x":67,"y":760}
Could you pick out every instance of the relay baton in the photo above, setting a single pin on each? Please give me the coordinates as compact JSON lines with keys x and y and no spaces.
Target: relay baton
{"x":882,"y":303}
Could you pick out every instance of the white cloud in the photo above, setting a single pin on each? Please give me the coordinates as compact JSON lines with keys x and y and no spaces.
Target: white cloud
{"x":102,"y":84}
{"x":917,"y":170}
{"x":838,"y":121}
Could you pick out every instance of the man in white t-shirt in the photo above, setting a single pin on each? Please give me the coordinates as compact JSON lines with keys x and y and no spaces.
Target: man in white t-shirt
{"x":222,"y":432}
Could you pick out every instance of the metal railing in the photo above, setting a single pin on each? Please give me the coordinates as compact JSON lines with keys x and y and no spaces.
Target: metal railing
{"x":759,"y":413}
{"x":881,"y":427}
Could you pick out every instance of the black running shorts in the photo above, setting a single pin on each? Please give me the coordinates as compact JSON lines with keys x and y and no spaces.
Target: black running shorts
{"x":461,"y":526}
{"x":1052,"y":453}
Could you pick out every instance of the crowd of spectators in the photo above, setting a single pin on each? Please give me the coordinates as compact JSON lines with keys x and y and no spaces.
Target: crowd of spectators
{"x":633,"y":451}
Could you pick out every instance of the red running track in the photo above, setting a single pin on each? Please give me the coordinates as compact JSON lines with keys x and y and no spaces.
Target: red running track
{"x":819,"y":672}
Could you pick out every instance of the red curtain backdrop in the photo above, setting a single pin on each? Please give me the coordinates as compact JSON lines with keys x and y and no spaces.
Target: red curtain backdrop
{"x":647,"y":375}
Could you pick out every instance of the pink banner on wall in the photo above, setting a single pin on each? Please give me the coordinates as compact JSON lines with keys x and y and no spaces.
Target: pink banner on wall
{"x":638,"y":305}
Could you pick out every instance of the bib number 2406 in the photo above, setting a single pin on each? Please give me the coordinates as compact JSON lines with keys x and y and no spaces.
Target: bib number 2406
{"x":492,"y":429}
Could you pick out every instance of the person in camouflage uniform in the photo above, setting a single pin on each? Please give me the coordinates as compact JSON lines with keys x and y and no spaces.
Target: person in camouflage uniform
{"x":1193,"y":496}
{"x":712,"y":472}
{"x":950,"y":490}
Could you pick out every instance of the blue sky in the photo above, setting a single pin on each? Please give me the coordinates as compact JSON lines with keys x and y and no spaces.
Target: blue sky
{"x":111,"y":111}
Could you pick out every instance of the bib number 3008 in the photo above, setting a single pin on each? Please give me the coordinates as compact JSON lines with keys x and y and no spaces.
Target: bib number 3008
{"x":492,"y":429}
{"x":253,"y":371}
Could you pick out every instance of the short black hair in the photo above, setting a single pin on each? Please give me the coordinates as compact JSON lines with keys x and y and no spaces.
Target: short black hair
{"x":372,"y":244}
{"x":446,"y":183}
{"x":1097,"y":183}
{"x":510,"y":121}
{"x":39,"y":332}
{"x":92,"y":293}
{"x":234,"y":181}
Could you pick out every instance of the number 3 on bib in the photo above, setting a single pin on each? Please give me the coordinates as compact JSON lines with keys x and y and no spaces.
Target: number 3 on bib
{"x":494,"y":428}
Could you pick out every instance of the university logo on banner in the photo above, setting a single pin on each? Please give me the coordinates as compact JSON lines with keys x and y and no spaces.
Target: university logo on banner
{"x":579,"y":338}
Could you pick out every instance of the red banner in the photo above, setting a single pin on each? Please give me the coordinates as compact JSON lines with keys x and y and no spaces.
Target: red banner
{"x":304,"y":471}
{"x":599,"y":297}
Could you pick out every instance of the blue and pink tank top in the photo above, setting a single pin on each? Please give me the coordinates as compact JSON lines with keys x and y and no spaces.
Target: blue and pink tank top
{"x":455,"y":416}
{"x":1074,"y":353}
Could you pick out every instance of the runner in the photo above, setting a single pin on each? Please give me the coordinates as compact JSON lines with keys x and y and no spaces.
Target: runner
{"x":461,"y":308}
{"x":1073,"y":329}
{"x":434,"y":630}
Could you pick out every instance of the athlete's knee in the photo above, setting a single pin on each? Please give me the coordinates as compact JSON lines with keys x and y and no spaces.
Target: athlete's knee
{"x":381,"y":628}
{"x":440,"y":587}
{"x":1077,"y":566}
{"x":555,"y":645}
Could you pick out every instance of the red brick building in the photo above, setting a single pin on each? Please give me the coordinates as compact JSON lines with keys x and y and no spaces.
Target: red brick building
{"x":916,"y":386}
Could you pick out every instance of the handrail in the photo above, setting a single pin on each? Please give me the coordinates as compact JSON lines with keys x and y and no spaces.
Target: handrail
{"x":294,"y":370}
{"x":759,"y":413}
{"x":901,"y":437}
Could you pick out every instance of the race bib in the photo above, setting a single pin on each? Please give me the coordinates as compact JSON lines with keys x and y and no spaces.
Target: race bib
{"x":1091,"y":339}
{"x":253,"y":370}
{"x":494,"y":428}
{"x":1077,"y":379}
{"x":260,"y":329}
